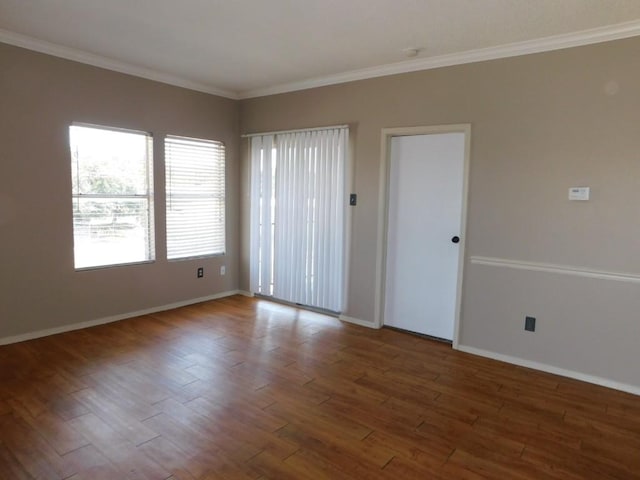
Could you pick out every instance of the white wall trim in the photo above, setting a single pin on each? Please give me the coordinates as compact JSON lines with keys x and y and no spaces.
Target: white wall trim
{"x":604,"y":382}
{"x":556,"y":268}
{"x":357,"y":321}
{"x":546,"y":44}
{"x":114,"y":318}
{"x":383,"y":208}
{"x":42,"y":46}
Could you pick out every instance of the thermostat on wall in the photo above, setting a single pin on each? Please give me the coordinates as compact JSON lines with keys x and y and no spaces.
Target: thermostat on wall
{"x":579,"y":193}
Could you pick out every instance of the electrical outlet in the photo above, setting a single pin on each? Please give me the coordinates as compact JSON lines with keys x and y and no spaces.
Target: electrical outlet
{"x":223,"y":269}
{"x":530,"y":324}
{"x":200,"y":272}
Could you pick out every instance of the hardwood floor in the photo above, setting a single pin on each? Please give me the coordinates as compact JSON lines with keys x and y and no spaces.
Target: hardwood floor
{"x":246,"y":389}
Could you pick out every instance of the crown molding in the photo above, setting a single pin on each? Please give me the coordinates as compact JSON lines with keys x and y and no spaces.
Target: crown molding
{"x":546,"y":44}
{"x":42,"y":46}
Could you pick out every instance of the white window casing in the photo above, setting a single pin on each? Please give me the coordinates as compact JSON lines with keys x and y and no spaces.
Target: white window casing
{"x":112,"y":196}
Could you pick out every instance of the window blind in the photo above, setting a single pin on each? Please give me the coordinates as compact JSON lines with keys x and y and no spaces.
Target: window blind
{"x":298,"y":203}
{"x":195,"y":186}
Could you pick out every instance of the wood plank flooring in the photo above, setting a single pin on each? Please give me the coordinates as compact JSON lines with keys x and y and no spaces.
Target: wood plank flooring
{"x":246,"y":389}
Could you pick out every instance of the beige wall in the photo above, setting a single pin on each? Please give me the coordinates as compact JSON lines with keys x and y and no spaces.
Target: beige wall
{"x":40,"y":96}
{"x":540,"y":124}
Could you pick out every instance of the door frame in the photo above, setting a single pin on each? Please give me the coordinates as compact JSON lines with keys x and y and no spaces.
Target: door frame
{"x":383,"y":211}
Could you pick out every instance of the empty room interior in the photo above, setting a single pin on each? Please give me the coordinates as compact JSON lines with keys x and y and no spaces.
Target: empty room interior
{"x":307,"y":240}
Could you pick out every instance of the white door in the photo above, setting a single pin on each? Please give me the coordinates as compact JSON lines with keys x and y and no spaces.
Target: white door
{"x":426,"y":182}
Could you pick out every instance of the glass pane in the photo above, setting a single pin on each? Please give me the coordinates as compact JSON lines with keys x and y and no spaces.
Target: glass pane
{"x":108,"y":231}
{"x":109,"y":162}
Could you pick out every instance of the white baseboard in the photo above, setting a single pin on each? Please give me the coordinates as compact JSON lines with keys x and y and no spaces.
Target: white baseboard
{"x":604,"y":382}
{"x":114,"y":318}
{"x":245,"y":293}
{"x":357,"y":321}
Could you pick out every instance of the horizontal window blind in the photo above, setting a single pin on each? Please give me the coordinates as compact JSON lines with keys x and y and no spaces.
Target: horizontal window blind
{"x":195,"y":186}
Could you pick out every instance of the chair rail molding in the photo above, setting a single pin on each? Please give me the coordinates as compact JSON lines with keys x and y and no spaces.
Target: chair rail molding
{"x":556,"y":268}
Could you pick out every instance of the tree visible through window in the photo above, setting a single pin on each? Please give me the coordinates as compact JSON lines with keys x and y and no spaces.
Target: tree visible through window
{"x":112,"y":196}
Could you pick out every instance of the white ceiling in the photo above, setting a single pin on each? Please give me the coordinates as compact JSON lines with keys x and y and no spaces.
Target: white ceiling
{"x":245,"y":48}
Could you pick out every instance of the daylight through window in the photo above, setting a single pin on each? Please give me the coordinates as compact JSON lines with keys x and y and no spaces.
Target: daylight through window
{"x":298,"y":216}
{"x":112,"y":196}
{"x":195,"y":185}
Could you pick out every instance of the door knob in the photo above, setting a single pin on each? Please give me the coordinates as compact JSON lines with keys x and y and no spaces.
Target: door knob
{"x":456,"y":239}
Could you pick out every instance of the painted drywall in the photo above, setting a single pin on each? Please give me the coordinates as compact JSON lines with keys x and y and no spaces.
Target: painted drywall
{"x":540,"y":124}
{"x":40,"y":96}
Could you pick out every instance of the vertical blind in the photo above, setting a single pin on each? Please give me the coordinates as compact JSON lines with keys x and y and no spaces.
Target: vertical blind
{"x":298,"y":203}
{"x":195,"y":186}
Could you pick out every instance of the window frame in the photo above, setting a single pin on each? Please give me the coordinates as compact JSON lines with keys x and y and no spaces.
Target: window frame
{"x":149,"y":196}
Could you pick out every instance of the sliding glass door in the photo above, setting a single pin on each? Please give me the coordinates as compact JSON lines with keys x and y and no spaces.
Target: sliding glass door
{"x":298,"y":204}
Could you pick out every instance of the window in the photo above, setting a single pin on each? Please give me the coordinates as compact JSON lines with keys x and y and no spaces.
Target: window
{"x":195,"y":185}
{"x":112,"y":196}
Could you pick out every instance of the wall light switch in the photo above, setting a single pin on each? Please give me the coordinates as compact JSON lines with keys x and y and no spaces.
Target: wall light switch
{"x":579,"y":193}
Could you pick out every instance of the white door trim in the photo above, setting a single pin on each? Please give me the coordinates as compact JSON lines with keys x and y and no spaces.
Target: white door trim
{"x":383,"y":206}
